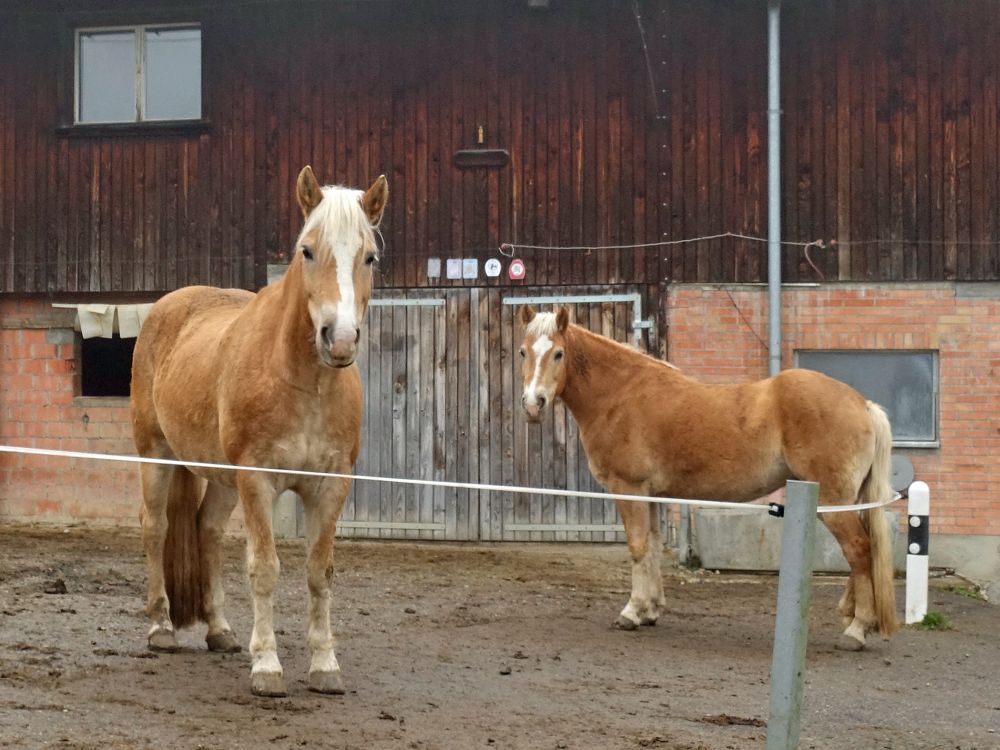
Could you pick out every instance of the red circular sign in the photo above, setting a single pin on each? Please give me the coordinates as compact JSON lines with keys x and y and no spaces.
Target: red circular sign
{"x":516,"y":269}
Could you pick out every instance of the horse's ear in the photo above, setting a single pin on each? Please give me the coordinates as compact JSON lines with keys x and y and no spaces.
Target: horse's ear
{"x":562,"y":320}
{"x":374,"y":200}
{"x":527,"y":314}
{"x":308,"y":191}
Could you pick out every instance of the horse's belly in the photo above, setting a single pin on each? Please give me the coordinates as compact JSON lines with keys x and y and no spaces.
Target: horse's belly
{"x":733,"y":475}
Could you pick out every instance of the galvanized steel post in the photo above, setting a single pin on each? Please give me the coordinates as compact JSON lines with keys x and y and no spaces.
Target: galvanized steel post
{"x":791,"y":623}
{"x":774,"y":186}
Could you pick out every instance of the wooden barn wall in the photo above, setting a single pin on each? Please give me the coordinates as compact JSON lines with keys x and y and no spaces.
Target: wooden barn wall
{"x":890,"y":141}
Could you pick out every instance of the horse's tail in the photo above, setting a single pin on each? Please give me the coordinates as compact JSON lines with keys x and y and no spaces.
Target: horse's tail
{"x":877,"y":487}
{"x":181,"y":554}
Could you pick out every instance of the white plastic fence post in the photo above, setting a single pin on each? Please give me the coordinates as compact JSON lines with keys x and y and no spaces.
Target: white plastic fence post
{"x":791,"y":623}
{"x":918,"y":535}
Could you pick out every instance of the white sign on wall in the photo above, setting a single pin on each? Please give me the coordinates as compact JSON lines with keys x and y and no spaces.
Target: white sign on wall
{"x":492,"y":267}
{"x":470,"y":268}
{"x":454,"y":268}
{"x":433,"y":268}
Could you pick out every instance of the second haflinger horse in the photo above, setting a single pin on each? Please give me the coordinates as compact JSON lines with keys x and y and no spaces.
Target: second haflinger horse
{"x":225,"y":376}
{"x":650,"y":430}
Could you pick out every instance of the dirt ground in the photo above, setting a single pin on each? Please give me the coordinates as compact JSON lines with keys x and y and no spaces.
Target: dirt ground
{"x":448,"y":646}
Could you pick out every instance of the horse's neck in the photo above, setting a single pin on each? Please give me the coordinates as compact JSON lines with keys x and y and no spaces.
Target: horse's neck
{"x":596,"y":366}
{"x":293,"y":355}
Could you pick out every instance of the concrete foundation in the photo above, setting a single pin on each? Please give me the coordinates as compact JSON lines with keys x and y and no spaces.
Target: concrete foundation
{"x":751,"y":540}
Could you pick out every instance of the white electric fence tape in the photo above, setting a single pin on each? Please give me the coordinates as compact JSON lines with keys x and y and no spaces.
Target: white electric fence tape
{"x":422,"y":482}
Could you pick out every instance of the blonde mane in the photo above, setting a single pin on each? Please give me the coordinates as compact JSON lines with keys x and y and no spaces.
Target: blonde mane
{"x":543,"y":324}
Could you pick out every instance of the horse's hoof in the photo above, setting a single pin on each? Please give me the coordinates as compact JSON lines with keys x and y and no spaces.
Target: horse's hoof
{"x":623,"y":623}
{"x":268,"y":684}
{"x":648,"y":621}
{"x":162,"y":640}
{"x":225,"y":642}
{"x":849,"y":643}
{"x":326,"y":682}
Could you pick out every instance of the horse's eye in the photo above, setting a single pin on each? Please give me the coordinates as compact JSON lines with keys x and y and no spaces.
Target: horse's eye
{"x":558,"y":355}
{"x":370,"y":259}
{"x":522,"y":352}
{"x":307,"y":253}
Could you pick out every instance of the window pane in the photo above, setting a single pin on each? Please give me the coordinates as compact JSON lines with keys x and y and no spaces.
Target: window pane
{"x":107,"y":76}
{"x":173,"y":74}
{"x":902,"y":382}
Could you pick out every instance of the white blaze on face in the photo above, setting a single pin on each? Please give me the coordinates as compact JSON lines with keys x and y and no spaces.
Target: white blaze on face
{"x":542,"y":344}
{"x":346,"y":311}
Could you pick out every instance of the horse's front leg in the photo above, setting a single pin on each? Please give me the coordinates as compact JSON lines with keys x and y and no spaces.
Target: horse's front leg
{"x":257,"y":495}
{"x":647,"y":599}
{"x":321,"y":512}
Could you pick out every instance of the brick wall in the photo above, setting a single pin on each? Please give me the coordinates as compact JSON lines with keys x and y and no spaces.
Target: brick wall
{"x":38,"y":408}
{"x":719,"y":334}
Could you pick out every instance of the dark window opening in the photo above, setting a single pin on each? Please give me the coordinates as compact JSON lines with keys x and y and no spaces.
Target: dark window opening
{"x":106,"y":366}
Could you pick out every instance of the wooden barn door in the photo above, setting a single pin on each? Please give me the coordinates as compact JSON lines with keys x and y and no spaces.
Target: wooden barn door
{"x":442,"y":388}
{"x":402,"y":361}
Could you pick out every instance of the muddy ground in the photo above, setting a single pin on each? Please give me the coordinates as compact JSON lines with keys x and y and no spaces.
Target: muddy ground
{"x":468,"y":647}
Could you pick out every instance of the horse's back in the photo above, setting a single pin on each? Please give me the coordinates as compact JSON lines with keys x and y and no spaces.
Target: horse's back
{"x":814,"y":399}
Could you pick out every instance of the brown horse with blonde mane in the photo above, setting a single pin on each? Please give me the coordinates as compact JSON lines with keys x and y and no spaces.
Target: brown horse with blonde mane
{"x":650,"y":430}
{"x":264,"y":380}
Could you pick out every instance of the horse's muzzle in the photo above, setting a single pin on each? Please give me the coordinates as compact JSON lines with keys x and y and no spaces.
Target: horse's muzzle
{"x":337,"y":351}
{"x":533,"y":410}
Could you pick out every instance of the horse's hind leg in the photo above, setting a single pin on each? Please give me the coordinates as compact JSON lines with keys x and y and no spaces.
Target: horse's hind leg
{"x":322,"y":512}
{"x":215,"y":510}
{"x":155,"y":495}
{"x":858,"y":601}
{"x":643,"y":606}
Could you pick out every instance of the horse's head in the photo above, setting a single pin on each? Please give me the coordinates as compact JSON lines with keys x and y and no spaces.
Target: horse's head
{"x":338,"y":250}
{"x":544,"y":355}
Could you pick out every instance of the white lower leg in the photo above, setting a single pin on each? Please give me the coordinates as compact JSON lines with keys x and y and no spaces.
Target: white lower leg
{"x":638,"y":603}
{"x":263,"y":645}
{"x":320,"y":635}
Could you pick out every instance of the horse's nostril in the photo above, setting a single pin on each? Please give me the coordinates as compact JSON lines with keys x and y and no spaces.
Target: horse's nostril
{"x":357,"y":335}
{"x":324,"y":333}
{"x":541,"y":402}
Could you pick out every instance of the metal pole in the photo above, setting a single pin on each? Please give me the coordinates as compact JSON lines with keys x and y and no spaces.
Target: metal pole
{"x":774,"y":186}
{"x":791,"y":623}
{"x":918,"y":511}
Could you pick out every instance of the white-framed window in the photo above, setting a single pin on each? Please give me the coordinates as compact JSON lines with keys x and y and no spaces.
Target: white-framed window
{"x":137,"y":73}
{"x":903,"y":381}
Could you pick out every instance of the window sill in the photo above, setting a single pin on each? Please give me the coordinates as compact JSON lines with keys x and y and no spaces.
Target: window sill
{"x":109,"y":402}
{"x":147,"y":128}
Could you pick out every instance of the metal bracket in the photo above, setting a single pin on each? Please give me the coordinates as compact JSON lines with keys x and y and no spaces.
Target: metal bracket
{"x":776,"y":509}
{"x":638,"y":323}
